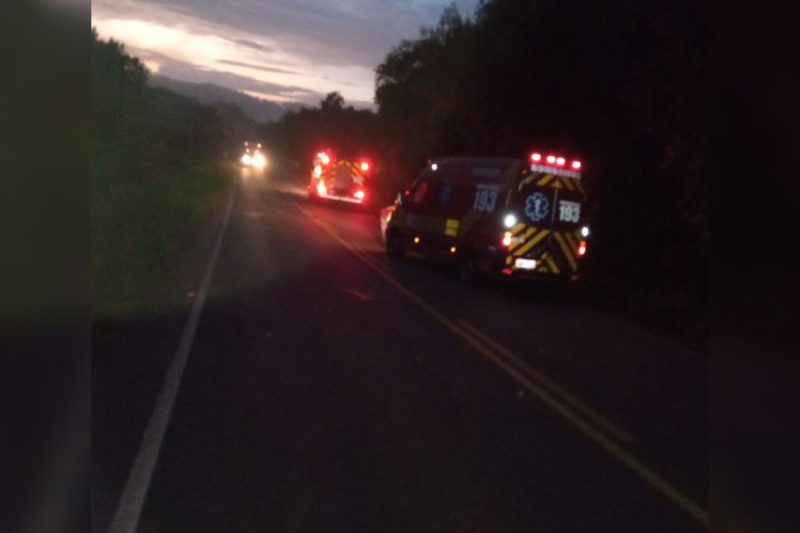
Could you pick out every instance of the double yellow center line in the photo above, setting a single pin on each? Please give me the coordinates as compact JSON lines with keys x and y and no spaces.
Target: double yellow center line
{"x":582,"y":417}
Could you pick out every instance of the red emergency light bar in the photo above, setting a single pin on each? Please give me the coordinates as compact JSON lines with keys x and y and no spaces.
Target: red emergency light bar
{"x":539,"y":160}
{"x":323,"y":157}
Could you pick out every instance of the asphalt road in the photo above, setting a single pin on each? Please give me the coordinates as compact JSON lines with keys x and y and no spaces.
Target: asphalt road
{"x":329,"y":389}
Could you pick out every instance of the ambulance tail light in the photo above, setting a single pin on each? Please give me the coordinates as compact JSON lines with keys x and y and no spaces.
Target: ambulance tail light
{"x":322,"y":190}
{"x":364,"y":166}
{"x":536,"y":157}
{"x":582,"y":248}
{"x":506,"y":239}
{"x":360,"y":195}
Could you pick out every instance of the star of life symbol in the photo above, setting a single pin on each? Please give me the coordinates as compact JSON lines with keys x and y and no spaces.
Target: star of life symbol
{"x":536,"y":206}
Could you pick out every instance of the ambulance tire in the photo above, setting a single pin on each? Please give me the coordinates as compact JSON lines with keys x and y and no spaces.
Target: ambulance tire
{"x":467,"y":266}
{"x":394,"y":246}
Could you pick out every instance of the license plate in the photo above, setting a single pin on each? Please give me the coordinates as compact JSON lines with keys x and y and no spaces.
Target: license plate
{"x":525,"y":264}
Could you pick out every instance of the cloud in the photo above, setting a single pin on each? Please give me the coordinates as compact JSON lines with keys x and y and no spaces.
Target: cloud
{"x":252,"y":44}
{"x":318,"y":45}
{"x":256,"y":67}
{"x":271,"y":97}
{"x":183,"y":71}
{"x":346,"y":83}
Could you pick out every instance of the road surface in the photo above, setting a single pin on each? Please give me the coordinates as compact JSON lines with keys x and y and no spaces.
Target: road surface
{"x":317,"y":386}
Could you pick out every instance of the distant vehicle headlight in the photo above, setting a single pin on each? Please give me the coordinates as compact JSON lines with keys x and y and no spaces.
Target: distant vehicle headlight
{"x":259,"y":161}
{"x":510,"y":220}
{"x":246,"y":159}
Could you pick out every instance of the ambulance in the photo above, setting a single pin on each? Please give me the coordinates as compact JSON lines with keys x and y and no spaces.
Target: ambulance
{"x":515,"y":217}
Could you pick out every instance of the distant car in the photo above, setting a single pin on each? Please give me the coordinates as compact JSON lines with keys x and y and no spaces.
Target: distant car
{"x":253,"y":156}
{"x":385,"y":216}
{"x":344,"y":179}
{"x":520,"y":217}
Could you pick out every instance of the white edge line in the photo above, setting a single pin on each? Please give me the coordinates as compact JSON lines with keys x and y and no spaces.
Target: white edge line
{"x":131,"y":502}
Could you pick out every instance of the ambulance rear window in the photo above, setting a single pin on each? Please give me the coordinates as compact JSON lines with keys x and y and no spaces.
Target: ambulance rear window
{"x":468,"y":174}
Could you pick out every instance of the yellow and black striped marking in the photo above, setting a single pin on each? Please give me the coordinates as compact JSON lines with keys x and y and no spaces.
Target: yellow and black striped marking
{"x":532,"y":239}
{"x":566,"y":251}
{"x":559,"y":255}
{"x":329,"y":171}
{"x":554,"y":181}
{"x":561,"y":182}
{"x":526,"y":238}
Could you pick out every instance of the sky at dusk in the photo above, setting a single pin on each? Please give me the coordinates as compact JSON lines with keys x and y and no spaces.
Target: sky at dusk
{"x":280,"y":50}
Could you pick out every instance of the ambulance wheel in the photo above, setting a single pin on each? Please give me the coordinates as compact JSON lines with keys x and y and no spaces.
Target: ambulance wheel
{"x":394,"y":247}
{"x":467,"y":266}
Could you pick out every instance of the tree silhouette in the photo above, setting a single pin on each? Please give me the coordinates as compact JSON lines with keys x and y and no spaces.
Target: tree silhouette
{"x":332,"y":102}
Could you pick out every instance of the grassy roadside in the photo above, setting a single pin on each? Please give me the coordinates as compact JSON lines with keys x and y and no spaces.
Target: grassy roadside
{"x":142,"y":229}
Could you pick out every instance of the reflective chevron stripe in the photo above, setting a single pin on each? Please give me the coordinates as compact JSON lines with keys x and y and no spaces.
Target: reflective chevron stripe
{"x":552,"y":265}
{"x":571,"y":240}
{"x":524,"y":238}
{"x":566,"y":251}
{"x":531,"y":243}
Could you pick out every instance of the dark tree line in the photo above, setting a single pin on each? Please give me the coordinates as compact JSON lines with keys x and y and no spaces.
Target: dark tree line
{"x":349,"y":131}
{"x":140,"y":129}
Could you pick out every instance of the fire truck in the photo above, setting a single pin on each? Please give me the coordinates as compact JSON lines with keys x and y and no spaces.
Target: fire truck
{"x":339,"y":179}
{"x":515,"y":217}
